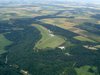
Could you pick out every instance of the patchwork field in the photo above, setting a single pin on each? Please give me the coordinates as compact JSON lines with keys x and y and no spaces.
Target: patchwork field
{"x":63,"y":23}
{"x":50,"y":39}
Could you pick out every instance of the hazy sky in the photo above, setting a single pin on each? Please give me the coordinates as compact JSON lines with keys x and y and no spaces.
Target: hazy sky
{"x":82,"y":0}
{"x":89,"y":1}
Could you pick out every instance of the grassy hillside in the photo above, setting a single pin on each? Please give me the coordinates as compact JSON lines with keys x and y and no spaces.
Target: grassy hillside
{"x":48,"y":39}
{"x":3,"y":43}
{"x":86,"y":70}
{"x":84,"y":39}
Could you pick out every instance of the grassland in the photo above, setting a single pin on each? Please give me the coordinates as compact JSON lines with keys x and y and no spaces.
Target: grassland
{"x":97,"y":46}
{"x":84,"y":70}
{"x":81,"y":38}
{"x":44,"y":12}
{"x":18,"y":12}
{"x":61,"y":22}
{"x":69,"y":25}
{"x":48,"y":40}
{"x":3,"y":43}
{"x":98,"y":22}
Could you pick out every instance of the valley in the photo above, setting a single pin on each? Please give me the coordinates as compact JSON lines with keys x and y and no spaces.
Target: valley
{"x":50,"y":39}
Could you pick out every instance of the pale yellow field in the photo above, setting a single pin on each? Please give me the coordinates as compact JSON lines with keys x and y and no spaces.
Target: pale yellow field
{"x":60,"y":22}
{"x":47,"y":12}
{"x":98,"y":22}
{"x":97,"y":46}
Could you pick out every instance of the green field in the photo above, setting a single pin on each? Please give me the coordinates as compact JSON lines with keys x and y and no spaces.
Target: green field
{"x":3,"y":43}
{"x":81,"y":38}
{"x":47,"y":40}
{"x":84,"y":70}
{"x":97,"y":46}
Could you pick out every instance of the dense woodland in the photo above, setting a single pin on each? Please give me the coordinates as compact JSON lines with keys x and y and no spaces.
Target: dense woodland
{"x":45,"y":62}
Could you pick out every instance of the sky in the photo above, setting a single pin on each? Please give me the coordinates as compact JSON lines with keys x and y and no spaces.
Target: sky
{"x":86,"y":1}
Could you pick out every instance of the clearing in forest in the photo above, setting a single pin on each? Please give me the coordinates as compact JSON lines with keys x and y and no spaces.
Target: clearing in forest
{"x":48,"y":40}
